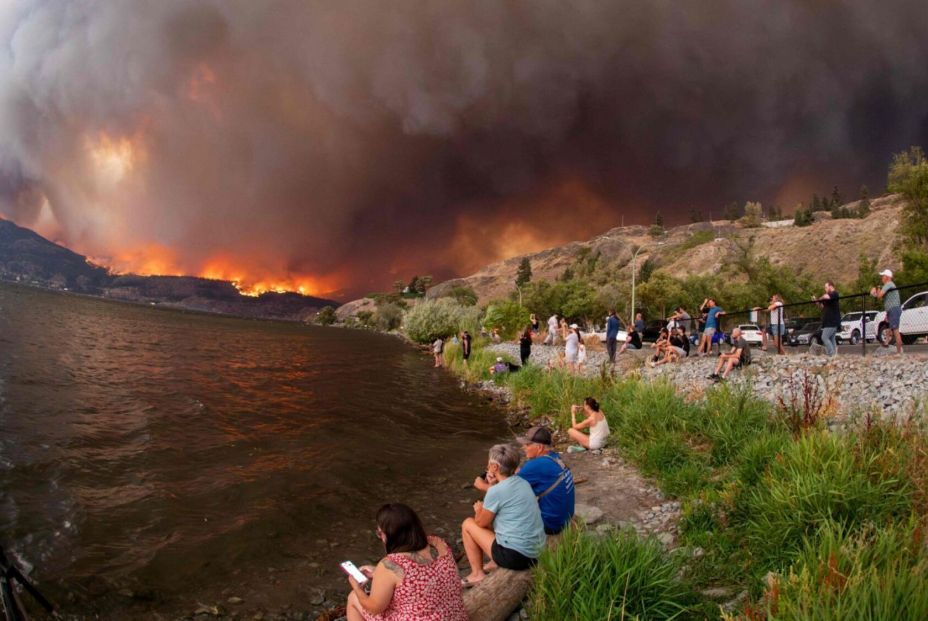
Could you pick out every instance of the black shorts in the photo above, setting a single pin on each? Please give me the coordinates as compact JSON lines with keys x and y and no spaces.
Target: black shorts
{"x":510,"y":559}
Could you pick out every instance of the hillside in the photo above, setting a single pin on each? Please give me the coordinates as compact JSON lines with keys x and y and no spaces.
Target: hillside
{"x":826,"y":249}
{"x":28,"y":258}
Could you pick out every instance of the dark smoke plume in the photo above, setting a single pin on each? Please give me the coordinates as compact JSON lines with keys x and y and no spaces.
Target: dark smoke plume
{"x":362,"y":141}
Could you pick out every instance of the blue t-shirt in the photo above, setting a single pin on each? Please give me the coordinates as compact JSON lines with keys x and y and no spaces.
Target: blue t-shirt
{"x":517,"y":522}
{"x":557,"y":507}
{"x":712,"y":320}
{"x":612,"y":327}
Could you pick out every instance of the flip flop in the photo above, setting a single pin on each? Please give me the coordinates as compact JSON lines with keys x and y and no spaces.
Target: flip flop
{"x":467,"y":584}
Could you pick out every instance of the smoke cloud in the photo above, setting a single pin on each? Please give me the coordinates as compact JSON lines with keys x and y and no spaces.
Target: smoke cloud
{"x":343,"y":145}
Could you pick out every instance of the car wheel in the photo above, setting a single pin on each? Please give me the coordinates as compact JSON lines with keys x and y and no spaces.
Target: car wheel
{"x":855,"y":337}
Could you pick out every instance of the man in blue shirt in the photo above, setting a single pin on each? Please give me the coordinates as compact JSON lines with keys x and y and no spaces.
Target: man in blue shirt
{"x":550,"y":478}
{"x":612,"y":334}
{"x":712,"y":312}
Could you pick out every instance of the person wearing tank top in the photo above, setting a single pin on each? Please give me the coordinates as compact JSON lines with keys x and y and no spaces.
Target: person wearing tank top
{"x":594,"y":420}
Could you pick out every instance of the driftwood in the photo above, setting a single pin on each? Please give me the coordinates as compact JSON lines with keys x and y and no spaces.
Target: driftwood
{"x":495,"y":597}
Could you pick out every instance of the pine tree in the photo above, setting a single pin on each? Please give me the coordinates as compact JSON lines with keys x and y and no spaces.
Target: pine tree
{"x":835,"y":198}
{"x":863,"y":209}
{"x":524,"y":273}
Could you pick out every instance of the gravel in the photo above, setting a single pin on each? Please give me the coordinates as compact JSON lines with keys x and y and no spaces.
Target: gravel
{"x":892,"y":386}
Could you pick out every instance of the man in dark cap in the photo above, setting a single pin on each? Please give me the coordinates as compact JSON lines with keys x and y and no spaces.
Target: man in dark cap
{"x":550,"y":478}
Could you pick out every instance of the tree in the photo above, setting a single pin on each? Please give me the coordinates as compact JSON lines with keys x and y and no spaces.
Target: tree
{"x":753,"y":212}
{"x":326,"y":316}
{"x":507,"y":315}
{"x":803,"y":217}
{"x":696,"y":215}
{"x":816,"y":204}
{"x":836,"y":200}
{"x":732,"y":212}
{"x":423,"y":284}
{"x":399,"y":286}
{"x":908,"y":175}
{"x":863,"y":209}
{"x":430,"y":319}
{"x":465,"y":296}
{"x":657,"y":229}
{"x":524,"y":273}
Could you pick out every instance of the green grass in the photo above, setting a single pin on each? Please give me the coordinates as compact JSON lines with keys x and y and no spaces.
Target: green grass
{"x":758,"y":495}
{"x":614,"y":577}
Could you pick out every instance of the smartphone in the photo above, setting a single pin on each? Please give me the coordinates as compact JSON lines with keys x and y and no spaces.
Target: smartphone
{"x":349,"y":568}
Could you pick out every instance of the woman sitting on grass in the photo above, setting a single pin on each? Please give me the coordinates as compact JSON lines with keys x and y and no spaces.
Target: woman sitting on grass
{"x":418,"y":579}
{"x":507,"y":525}
{"x":595,"y":420}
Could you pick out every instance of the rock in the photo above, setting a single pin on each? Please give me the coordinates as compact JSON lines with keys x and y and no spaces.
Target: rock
{"x":718,"y":593}
{"x":203,"y":609}
{"x":234,"y":600}
{"x":317,"y":597}
{"x":666,"y":538}
{"x":588,"y":513}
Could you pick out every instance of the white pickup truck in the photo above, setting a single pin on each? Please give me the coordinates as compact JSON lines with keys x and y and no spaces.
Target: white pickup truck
{"x":853,"y":327}
{"x":913,"y":324}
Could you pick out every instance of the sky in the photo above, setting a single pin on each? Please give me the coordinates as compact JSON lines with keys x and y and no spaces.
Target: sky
{"x":336,"y":147}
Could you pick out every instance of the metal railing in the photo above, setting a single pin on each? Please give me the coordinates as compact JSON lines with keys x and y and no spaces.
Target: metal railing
{"x":863,"y":322}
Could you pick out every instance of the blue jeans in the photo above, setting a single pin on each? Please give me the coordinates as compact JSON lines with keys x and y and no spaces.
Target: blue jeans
{"x":828,"y":337}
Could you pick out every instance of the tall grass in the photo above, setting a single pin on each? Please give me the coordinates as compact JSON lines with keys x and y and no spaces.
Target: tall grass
{"x":763,"y":488}
{"x":871,"y":573}
{"x":616,"y":577}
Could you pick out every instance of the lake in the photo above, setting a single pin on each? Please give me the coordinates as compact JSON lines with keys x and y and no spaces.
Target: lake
{"x":153,"y":460}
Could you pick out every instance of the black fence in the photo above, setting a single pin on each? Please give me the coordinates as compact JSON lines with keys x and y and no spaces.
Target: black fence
{"x":864,"y":322}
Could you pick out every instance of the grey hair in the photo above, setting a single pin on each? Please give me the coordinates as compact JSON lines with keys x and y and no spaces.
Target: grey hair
{"x":507,"y":456}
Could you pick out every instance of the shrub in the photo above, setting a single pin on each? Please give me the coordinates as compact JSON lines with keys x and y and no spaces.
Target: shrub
{"x":326,"y":316}
{"x":616,"y":577}
{"x":507,"y":315}
{"x":908,"y":175}
{"x":430,"y":319}
{"x":388,"y":317}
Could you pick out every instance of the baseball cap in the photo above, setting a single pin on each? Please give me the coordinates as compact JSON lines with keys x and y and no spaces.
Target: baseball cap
{"x":888,"y":273}
{"x":573,"y":325}
{"x":499,"y":358}
{"x":536,"y":435}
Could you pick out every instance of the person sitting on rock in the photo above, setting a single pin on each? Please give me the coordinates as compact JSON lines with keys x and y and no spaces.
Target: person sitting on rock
{"x":594,"y":420}
{"x":633,"y":341}
{"x":738,"y":357}
{"x":417,"y":579}
{"x":550,"y":478}
{"x":507,"y":525}
{"x":679,"y":347}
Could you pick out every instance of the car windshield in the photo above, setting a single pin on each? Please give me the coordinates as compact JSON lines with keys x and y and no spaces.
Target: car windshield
{"x":851,"y":317}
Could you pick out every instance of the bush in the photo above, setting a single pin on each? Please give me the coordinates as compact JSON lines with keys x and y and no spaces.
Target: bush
{"x":326,"y":316}
{"x":430,"y":319}
{"x":509,"y":316}
{"x":908,"y":175}
{"x":616,"y":577}
{"x":388,"y":317}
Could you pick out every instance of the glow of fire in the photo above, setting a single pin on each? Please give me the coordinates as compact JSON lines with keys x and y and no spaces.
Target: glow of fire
{"x":248,"y":283}
{"x":113,"y":158}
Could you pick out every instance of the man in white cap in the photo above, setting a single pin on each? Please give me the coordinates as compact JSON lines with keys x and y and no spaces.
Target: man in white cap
{"x":891,"y":303}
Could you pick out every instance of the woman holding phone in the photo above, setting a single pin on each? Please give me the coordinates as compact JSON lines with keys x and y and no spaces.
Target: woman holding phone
{"x":417,"y":579}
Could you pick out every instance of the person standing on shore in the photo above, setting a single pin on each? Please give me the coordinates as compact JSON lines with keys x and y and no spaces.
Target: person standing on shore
{"x":534,"y":321}
{"x":465,"y":345}
{"x":438,"y":349}
{"x":775,"y":327}
{"x":713,"y":311}
{"x":639,"y":323}
{"x":829,"y":302}
{"x":891,"y":304}
{"x":612,"y":334}
{"x":551,"y":337}
{"x":572,"y":347}
{"x":525,"y":345}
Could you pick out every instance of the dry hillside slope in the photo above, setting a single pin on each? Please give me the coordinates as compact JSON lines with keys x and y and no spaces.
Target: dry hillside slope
{"x":826,"y":249}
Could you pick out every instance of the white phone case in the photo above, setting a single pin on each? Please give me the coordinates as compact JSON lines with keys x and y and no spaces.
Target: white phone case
{"x":349,"y":568}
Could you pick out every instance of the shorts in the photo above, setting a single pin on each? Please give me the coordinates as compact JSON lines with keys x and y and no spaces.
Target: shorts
{"x":571,"y":358}
{"x":510,"y":559}
{"x":776,"y":329}
{"x":709,"y":332}
{"x":680,"y":351}
{"x":893,"y":315}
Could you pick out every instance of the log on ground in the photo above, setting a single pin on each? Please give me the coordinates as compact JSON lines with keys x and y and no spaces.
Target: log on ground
{"x":497,"y":595}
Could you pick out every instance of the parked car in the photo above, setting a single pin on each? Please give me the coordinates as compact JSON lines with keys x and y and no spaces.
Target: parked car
{"x":793,"y":326}
{"x":620,"y":338}
{"x":652,"y":329}
{"x":752,"y":334}
{"x":913,"y":324}
{"x":807,"y":334}
{"x":853,"y":326}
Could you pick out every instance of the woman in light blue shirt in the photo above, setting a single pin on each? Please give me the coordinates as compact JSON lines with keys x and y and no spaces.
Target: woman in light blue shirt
{"x":507,"y":525}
